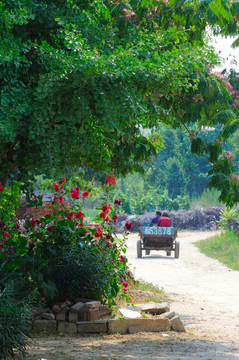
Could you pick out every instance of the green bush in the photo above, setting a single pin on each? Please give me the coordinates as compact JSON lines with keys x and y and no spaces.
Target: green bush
{"x":151,"y":201}
{"x":61,"y":256}
{"x":80,"y":272}
{"x":227,"y":217}
{"x":208,"y":198}
{"x":14,"y":320}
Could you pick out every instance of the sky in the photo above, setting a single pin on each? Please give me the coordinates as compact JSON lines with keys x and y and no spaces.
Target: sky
{"x":231,"y":55}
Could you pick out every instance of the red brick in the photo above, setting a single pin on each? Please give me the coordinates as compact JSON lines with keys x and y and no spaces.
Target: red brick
{"x":73,"y":317}
{"x":61,"y":316}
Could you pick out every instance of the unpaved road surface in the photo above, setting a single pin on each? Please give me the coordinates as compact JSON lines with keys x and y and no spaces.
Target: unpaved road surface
{"x":205,"y":295}
{"x":206,"y":292}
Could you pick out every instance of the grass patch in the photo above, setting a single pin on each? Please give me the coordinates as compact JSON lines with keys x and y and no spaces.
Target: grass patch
{"x":143,"y":291}
{"x":207,"y":199}
{"x":223,"y":247}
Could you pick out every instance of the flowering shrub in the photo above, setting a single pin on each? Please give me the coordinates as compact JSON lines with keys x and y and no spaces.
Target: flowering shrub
{"x":63,"y":257}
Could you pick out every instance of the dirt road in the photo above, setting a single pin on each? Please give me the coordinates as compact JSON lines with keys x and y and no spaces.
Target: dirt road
{"x":206,"y":296}
{"x":206,"y":292}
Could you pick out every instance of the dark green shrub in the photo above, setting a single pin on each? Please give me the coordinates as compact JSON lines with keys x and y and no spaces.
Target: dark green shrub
{"x":14,"y":319}
{"x":80,"y":273}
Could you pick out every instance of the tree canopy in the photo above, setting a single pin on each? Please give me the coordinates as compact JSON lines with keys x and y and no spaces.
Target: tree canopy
{"x":80,"y":80}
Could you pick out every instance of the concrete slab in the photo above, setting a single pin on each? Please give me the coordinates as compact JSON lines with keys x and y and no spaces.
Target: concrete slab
{"x":150,"y":325}
{"x":97,"y":326}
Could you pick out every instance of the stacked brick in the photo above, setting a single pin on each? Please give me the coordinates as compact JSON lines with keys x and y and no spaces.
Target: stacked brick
{"x":24,"y":212}
{"x":72,"y":312}
{"x":86,"y":317}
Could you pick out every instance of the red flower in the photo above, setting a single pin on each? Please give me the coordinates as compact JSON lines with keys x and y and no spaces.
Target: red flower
{"x":62,"y":188}
{"x":49,"y":228}
{"x":128,"y":226}
{"x":107,"y":219}
{"x":115,"y":217}
{"x":35,"y":197}
{"x":104,"y":208}
{"x":60,"y":199}
{"x":54,"y":200}
{"x":32,"y":222}
{"x":56,"y":187}
{"x":79,"y":215}
{"x":16,"y":226}
{"x":110,"y":179}
{"x":70,"y":216}
{"x":75,"y":193}
{"x":125,"y":283}
{"x":62,"y":181}
{"x":117,"y":202}
{"x":122,"y":259}
{"x":102,"y":215}
{"x":99,"y":233}
{"x":1,"y":187}
{"x":85,"y":194}
{"x":125,"y":290}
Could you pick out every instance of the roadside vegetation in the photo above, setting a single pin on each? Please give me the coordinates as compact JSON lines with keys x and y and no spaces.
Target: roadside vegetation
{"x":225,"y":246}
{"x":147,"y":292}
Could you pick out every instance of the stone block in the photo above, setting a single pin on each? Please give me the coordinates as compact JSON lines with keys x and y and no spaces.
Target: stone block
{"x":135,"y":329}
{"x":73,"y":317}
{"x":168,"y":315}
{"x":98,"y":326}
{"x":90,"y":316}
{"x":94,"y":314}
{"x":90,"y":310}
{"x":61,"y":316}
{"x":176,"y":324}
{"x":155,"y":308}
{"x":37,"y":311}
{"x":64,"y":305}
{"x":77,"y":307}
{"x":48,"y":316}
{"x":92,"y":305}
{"x":44,"y":326}
{"x":83,"y":300}
{"x":67,"y":328}
{"x":150,"y":325}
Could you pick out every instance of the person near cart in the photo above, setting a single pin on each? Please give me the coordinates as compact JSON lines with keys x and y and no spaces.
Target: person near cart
{"x":155,"y":220}
{"x":164,"y":221}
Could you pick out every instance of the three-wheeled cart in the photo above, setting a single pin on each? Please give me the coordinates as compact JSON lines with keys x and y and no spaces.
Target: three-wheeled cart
{"x":158,"y":238}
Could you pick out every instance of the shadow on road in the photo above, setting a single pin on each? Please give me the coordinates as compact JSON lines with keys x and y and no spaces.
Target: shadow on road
{"x":156,"y":257}
{"x":142,"y":346}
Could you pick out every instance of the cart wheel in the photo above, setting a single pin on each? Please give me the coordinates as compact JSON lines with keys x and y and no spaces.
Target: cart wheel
{"x":147,"y":252}
{"x":168,"y":253}
{"x":176,"y":254}
{"x":139,"y":250}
